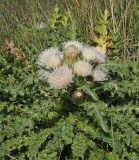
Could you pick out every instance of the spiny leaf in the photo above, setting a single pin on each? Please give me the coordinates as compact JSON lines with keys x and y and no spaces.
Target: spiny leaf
{"x":101,"y":120}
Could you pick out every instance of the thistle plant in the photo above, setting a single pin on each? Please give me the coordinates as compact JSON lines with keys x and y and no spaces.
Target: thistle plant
{"x":72,"y":68}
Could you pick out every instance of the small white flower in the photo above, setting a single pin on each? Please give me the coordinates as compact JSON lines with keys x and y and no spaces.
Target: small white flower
{"x":41,"y":25}
{"x":82,"y":68}
{"x":72,"y":48}
{"x":100,"y":74}
{"x":100,"y":57}
{"x":61,"y":77}
{"x":88,"y":53}
{"x":50,"y":58}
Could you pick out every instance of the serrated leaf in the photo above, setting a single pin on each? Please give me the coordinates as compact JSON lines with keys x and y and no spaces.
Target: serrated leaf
{"x":101,"y":120}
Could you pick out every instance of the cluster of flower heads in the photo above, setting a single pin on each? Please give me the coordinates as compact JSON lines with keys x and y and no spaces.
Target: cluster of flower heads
{"x":59,"y":68}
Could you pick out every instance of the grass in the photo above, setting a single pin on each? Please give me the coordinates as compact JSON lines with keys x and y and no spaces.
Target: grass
{"x":18,"y":18}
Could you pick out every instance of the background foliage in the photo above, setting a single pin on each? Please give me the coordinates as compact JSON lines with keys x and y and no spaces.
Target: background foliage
{"x":37,"y":123}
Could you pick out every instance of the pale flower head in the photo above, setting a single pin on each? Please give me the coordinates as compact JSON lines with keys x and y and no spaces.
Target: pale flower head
{"x":50,"y":58}
{"x":100,"y":57}
{"x":72,"y":48}
{"x":82,"y":68}
{"x":88,"y":53}
{"x":100,"y":74}
{"x":61,"y":77}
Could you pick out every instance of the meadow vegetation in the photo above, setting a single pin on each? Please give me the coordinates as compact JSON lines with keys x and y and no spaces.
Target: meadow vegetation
{"x":40,"y":123}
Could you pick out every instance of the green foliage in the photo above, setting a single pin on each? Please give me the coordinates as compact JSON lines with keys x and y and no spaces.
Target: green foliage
{"x":62,"y":22}
{"x":37,"y":123}
{"x":57,"y":18}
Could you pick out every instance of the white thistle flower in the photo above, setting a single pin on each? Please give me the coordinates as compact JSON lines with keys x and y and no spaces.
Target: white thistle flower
{"x":88,"y":53}
{"x":100,"y":74}
{"x":82,"y":68}
{"x":50,"y":58}
{"x":72,"y":48}
{"x":100,"y":57}
{"x":61,"y":77}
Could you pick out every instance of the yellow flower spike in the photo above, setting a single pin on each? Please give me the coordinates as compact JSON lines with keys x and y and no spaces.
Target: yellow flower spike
{"x":103,"y":41}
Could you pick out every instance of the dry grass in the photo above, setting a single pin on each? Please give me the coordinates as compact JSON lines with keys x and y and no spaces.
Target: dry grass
{"x":18,"y":15}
